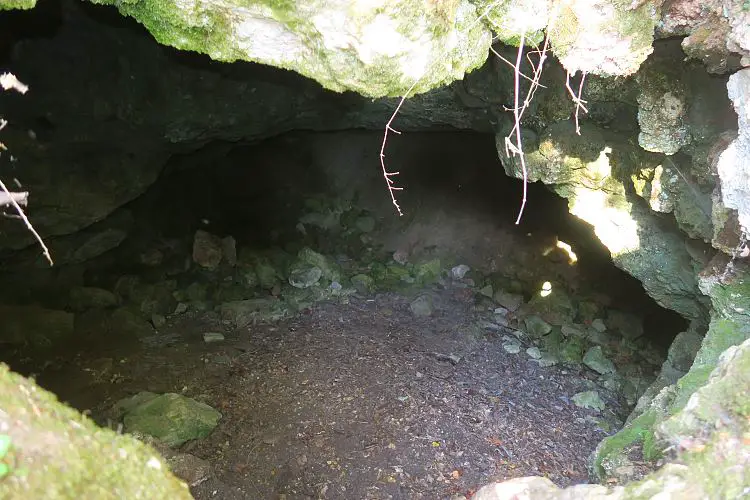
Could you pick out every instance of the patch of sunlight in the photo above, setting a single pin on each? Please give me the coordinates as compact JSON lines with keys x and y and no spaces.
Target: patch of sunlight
{"x":613,"y":226}
{"x":572,"y":257}
{"x":546,"y":289}
{"x":655,"y":200}
{"x":561,"y":245}
{"x":600,"y":169}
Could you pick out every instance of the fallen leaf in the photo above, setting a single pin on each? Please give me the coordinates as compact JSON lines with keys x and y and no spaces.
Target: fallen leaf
{"x":494,"y":441}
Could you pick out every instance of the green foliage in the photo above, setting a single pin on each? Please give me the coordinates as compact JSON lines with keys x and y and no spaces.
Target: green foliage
{"x":5,"y":445}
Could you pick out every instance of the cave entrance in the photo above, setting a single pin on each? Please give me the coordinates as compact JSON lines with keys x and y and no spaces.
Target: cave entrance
{"x":351,"y":352}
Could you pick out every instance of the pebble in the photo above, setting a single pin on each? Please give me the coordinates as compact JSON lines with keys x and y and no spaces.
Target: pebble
{"x":209,"y":337}
{"x":460,"y":271}
{"x":534,"y":352}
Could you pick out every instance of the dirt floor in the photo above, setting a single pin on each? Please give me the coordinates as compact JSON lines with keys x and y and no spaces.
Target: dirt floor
{"x":362,"y":400}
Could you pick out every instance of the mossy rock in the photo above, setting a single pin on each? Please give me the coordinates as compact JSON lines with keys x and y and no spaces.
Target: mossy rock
{"x":172,"y":418}
{"x":58,"y":454}
{"x":17,"y":4}
{"x":391,"y":47}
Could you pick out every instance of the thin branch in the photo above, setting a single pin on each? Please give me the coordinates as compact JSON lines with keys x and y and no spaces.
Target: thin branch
{"x":517,"y":118}
{"x":576,"y":97}
{"x":26,"y":221}
{"x":388,"y":128}
{"x":513,"y":66}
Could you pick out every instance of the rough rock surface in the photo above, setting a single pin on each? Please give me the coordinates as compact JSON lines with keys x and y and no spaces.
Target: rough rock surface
{"x":150,"y":104}
{"x":171,"y":418}
{"x":718,"y":31}
{"x":734,"y":163}
{"x":594,"y":172}
{"x":712,"y":429}
{"x":728,"y":328}
{"x":603,"y":37}
{"x":57,"y":453}
{"x":376,"y":49}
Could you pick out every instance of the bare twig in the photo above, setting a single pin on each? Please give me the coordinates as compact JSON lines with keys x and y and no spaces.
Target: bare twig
{"x":576,"y":97}
{"x":8,"y":81}
{"x":516,"y":148}
{"x":517,"y":119}
{"x":25,"y":219}
{"x":388,"y":126}
{"x":386,"y":174}
{"x":492,"y":49}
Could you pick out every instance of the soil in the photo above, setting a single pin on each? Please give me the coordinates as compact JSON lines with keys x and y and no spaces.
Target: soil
{"x":357,"y":400}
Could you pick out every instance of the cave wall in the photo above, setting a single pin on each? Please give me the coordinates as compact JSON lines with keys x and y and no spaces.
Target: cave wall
{"x":661,"y":157}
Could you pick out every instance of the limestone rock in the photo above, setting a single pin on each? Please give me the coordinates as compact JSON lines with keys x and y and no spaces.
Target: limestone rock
{"x":328,"y":269}
{"x":124,"y":322}
{"x":597,"y":361}
{"x":510,"y":301}
{"x":598,"y":325}
{"x":534,"y":352}
{"x":684,"y":348}
{"x":83,"y":298}
{"x":211,"y":337}
{"x":242,"y":313}
{"x":717,"y":33}
{"x":189,"y":468}
{"x":375,"y":50}
{"x":624,"y":34}
{"x":65,"y":455}
{"x":363,"y":283}
{"x":628,"y":325}
{"x":427,"y":272}
{"x":171,"y":418}
{"x":555,"y":308}
{"x":662,"y":113}
{"x":458,"y":272}
{"x":572,"y":349}
{"x":734,"y":163}
{"x":34,"y":325}
{"x":422,"y":306}
{"x":536,"y":326}
{"x":229,"y":250}
{"x":304,"y":276}
{"x":589,"y":399}
{"x":155,"y":298}
{"x":541,"y":488}
{"x":207,"y":250}
{"x":511,"y":345}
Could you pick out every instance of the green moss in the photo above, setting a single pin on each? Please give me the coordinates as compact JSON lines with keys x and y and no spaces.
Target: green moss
{"x":17,"y":4}
{"x":212,"y":29}
{"x":59,"y":454}
{"x":634,"y":27}
{"x":206,"y":32}
{"x":638,"y":431}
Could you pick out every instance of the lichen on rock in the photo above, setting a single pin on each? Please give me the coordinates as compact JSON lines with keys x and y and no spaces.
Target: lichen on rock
{"x":602,"y":37}
{"x":376,"y":49}
{"x":56,"y":453}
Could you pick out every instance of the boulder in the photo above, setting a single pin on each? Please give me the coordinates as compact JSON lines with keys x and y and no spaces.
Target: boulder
{"x":171,"y":418}
{"x":207,"y":250}
{"x":35,"y":325}
{"x":57,"y":453}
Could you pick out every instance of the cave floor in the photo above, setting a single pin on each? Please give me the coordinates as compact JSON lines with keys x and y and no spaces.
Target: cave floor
{"x":357,"y":400}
